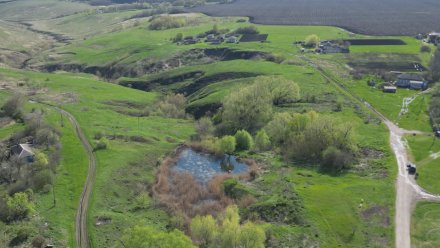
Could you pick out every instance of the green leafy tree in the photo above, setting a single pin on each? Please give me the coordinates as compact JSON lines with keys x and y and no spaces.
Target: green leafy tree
{"x":147,"y":237}
{"x":178,"y":37}
{"x":249,"y":108}
{"x":19,"y":206}
{"x":244,"y":140}
{"x":251,"y":236}
{"x":203,"y":230}
{"x":282,"y":90}
{"x":41,"y":161}
{"x":227,"y":232}
{"x":12,"y":107}
{"x":204,"y":127}
{"x":312,"y":41}
{"x":227,"y":144}
{"x":262,"y":141}
{"x":102,"y":144}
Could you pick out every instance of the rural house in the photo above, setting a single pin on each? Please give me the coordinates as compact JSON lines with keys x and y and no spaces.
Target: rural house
{"x":389,"y":89}
{"x":434,"y":38}
{"x":412,"y":81}
{"x":23,"y":151}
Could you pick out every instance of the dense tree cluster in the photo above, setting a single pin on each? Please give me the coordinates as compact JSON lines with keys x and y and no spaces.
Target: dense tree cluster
{"x":147,"y":236}
{"x":313,"y":138}
{"x":24,"y":174}
{"x":166,"y":22}
{"x":170,"y":106}
{"x":250,"y":108}
{"x":226,"y":231}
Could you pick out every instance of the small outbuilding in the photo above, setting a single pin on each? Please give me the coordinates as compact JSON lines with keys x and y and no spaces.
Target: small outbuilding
{"x":23,"y":151}
{"x":390,"y":89}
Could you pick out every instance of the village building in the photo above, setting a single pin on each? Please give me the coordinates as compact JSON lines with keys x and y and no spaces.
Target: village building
{"x":232,"y":39}
{"x":23,"y":151}
{"x":390,"y":89}
{"x":332,"y":47}
{"x":434,"y":38}
{"x":412,"y":81}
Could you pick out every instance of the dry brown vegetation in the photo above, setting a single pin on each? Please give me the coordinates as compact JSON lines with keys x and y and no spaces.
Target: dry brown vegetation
{"x":182,"y":194}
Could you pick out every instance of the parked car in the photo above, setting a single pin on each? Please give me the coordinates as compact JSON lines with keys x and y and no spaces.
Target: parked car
{"x":411,"y":168}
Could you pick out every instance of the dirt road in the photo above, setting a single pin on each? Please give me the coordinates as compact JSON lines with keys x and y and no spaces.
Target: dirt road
{"x":81,"y":233}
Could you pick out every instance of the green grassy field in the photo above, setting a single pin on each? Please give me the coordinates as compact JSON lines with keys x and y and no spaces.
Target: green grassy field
{"x":424,"y":150}
{"x":136,"y":161}
{"x":425,"y":225}
{"x":354,"y":209}
{"x":135,"y":43}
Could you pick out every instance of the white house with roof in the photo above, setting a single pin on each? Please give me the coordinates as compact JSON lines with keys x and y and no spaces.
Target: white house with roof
{"x":23,"y":151}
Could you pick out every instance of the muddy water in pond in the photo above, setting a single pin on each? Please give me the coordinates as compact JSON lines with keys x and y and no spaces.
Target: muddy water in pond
{"x":204,"y":166}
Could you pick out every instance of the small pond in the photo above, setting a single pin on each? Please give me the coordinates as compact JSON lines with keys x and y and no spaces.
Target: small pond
{"x":205,"y":166}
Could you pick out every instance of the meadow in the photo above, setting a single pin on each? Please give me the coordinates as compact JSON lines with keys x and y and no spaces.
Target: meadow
{"x":425,"y":225}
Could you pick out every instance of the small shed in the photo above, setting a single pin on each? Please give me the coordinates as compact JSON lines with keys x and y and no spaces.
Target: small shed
{"x":23,"y":151}
{"x":389,"y":89}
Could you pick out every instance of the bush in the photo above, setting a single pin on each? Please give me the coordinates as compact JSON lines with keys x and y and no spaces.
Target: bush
{"x":311,"y":41}
{"x":98,"y":135}
{"x":19,"y":206}
{"x":226,"y":231}
{"x":102,"y":144}
{"x":335,"y":160}
{"x":38,"y":242}
{"x":262,"y":141}
{"x":227,"y":144}
{"x":41,"y":179}
{"x":166,"y":22}
{"x":243,"y":140}
{"x":204,"y":127}
{"x":150,"y":237}
{"x":247,"y":30}
{"x":172,"y":106}
{"x":425,"y":49}
{"x":12,"y":107}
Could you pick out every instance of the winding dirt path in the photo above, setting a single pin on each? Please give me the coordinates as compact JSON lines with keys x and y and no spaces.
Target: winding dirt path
{"x":81,"y":233}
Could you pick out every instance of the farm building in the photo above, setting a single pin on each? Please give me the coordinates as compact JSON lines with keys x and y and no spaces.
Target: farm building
{"x":434,"y":38}
{"x":389,"y":89}
{"x":332,"y":47}
{"x":23,"y":151}
{"x":412,"y":81}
